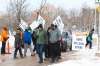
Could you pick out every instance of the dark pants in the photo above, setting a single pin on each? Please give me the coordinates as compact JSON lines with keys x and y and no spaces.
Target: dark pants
{"x":40,"y":50}
{"x":20,"y":51}
{"x":3,"y":47}
{"x":34,"y":44}
{"x":34,"y":48}
{"x":89,"y":43}
{"x":47,"y":51}
{"x":59,"y":49}
{"x":54,"y":51}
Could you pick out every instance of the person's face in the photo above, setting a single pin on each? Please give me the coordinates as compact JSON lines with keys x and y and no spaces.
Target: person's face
{"x":40,"y":28}
{"x":53,"y":27}
{"x":29,"y":31}
{"x":18,"y":31}
{"x":49,"y":30}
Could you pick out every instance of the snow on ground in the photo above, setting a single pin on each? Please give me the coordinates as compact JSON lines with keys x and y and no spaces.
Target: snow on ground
{"x":87,"y":58}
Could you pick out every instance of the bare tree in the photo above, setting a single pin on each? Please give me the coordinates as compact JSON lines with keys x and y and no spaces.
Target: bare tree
{"x":87,"y":18}
{"x":18,"y":8}
{"x":74,"y":18}
{"x":43,"y":2}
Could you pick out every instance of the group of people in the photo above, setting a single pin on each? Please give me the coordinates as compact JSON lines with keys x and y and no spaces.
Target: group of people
{"x":45,"y":42}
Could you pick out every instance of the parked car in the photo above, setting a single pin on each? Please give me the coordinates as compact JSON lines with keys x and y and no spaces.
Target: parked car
{"x":66,"y":42}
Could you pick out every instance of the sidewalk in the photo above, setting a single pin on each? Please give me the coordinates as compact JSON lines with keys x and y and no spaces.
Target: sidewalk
{"x":85,"y":57}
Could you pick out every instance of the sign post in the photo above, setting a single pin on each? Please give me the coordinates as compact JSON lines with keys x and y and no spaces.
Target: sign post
{"x":99,"y":27}
{"x":98,"y":2}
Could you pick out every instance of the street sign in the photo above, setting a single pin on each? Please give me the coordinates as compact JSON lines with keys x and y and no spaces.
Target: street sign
{"x":78,"y":40}
{"x":97,"y":1}
{"x":98,"y":8}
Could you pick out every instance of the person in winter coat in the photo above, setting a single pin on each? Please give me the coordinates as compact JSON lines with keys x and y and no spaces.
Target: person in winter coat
{"x":27,"y":41}
{"x":41,"y":41}
{"x":4,"y":36}
{"x":18,"y":44}
{"x":89,"y":39}
{"x":54,"y":40}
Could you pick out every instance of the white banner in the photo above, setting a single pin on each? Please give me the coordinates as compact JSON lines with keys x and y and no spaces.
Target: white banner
{"x":11,"y":41}
{"x":41,"y":20}
{"x":36,"y":23}
{"x":23,"y":25}
{"x":78,"y":40}
{"x":59,"y":23}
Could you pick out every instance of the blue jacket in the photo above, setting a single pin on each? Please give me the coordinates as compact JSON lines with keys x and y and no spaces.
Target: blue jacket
{"x":27,"y":37}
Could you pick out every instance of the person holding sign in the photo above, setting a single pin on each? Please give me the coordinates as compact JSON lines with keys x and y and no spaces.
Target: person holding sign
{"x":40,"y":42}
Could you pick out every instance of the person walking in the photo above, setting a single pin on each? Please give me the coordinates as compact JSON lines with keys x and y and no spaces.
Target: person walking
{"x":89,"y":39}
{"x":27,"y":41}
{"x":58,"y":42}
{"x":40,"y":42}
{"x":54,"y":40}
{"x":18,"y":44}
{"x":47,"y":46}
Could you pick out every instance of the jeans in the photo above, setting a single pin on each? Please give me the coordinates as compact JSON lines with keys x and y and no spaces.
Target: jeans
{"x":3,"y":47}
{"x":20,"y":51}
{"x":47,"y":51}
{"x":26,"y":47}
{"x":34,"y":44}
{"x":34,"y":48}
{"x":40,"y":50}
{"x":89,"y":43}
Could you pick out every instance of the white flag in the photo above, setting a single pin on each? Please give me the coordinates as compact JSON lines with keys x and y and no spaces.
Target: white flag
{"x":23,"y":25}
{"x":37,"y":22}
{"x":34,"y":25}
{"x":59,"y":23}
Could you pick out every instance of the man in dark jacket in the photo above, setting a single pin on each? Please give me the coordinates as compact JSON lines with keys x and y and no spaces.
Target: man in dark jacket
{"x":18,"y":43}
{"x":54,"y":40}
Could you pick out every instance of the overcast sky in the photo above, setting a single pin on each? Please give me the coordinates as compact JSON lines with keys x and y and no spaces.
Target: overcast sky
{"x":65,"y":4}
